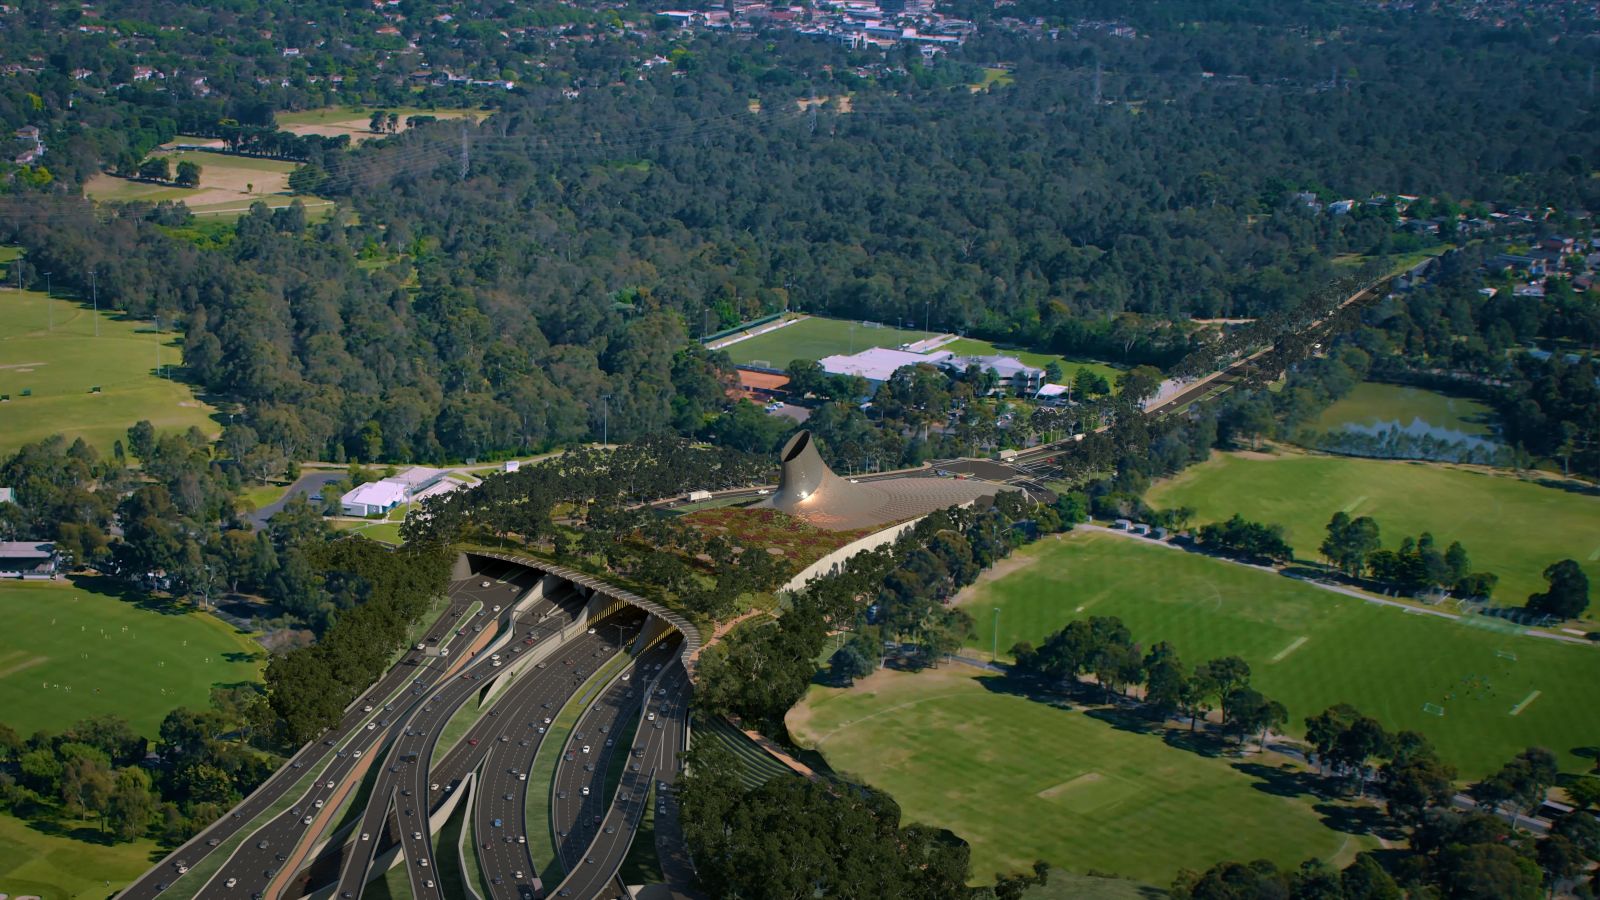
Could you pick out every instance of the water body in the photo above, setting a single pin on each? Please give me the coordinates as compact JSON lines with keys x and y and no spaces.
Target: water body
{"x":1417,"y":428}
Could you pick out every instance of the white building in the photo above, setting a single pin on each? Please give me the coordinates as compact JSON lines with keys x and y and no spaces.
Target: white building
{"x":417,"y":483}
{"x":373,"y":498}
{"x":877,"y":364}
{"x":1011,"y":371}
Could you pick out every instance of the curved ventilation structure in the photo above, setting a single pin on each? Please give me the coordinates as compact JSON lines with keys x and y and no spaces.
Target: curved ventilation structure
{"x":805,"y":477}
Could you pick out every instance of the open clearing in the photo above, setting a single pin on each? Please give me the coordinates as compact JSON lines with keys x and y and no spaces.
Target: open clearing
{"x":107,"y":656}
{"x":1381,"y":659}
{"x":59,"y":867}
{"x":228,"y":185}
{"x":356,"y":121}
{"x":1022,"y":780}
{"x":60,"y":365}
{"x":1376,"y":406}
{"x":1510,"y":527}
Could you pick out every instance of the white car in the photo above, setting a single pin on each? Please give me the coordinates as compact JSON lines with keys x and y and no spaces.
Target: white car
{"x":356,"y":754}
{"x":626,"y":675}
{"x":423,"y":863}
{"x":523,"y":777}
{"x":230,"y":882}
{"x":586,"y":790}
{"x":586,"y":748}
{"x":319,"y":804}
{"x":306,"y":821}
{"x":591,"y":631}
{"x":651,"y":716}
{"x":330,"y":785}
{"x":365,"y":836}
{"x":484,"y":584}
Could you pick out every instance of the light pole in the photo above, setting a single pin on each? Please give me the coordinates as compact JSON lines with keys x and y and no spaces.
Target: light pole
{"x":94,"y":290}
{"x":927,"y":315}
{"x":994,"y":646}
{"x":50,"y":311}
{"x":605,"y":421}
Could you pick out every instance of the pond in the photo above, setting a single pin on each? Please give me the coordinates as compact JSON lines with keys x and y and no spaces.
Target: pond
{"x":1406,"y":417}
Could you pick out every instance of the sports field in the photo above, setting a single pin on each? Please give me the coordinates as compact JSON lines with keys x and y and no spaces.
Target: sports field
{"x":1022,"y":780}
{"x":1310,"y":648}
{"x":1510,"y":527}
{"x":815,"y":337}
{"x":58,"y":867}
{"x":50,"y":347}
{"x":1373,"y":405}
{"x":68,"y":653}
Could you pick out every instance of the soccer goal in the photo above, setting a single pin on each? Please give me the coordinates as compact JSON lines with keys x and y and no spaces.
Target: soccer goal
{"x":1433,"y":709}
{"x":1506,"y":654}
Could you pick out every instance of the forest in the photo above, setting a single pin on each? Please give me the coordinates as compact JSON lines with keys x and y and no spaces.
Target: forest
{"x":553,"y":290}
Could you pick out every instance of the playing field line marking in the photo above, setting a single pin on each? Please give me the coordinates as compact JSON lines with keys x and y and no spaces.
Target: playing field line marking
{"x":1515,"y":710}
{"x":1293,"y":646}
{"x":1351,"y":506}
{"x":25,"y":664}
{"x":1056,"y":790}
{"x":1595,"y":555}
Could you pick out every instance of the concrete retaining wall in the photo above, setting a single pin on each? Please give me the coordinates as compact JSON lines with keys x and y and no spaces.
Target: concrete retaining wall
{"x":837,"y":558}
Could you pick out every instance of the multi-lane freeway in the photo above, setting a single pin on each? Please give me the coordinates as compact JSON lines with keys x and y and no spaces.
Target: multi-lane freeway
{"x":256,"y":868}
{"x":417,"y":733}
{"x":655,"y":756}
{"x":350,"y":730}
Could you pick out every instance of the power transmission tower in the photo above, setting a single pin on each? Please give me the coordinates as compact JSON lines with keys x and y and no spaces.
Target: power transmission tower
{"x":466,"y":152}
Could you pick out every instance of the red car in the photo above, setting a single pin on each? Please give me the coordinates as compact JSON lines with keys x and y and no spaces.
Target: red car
{"x":472,"y":741}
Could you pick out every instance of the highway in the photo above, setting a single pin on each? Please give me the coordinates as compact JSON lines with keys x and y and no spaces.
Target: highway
{"x":662,"y":739}
{"x":157,"y":879}
{"x":543,"y":621}
{"x":579,"y":802}
{"x":256,"y":865}
{"x":504,"y":792}
{"x":550,"y":681}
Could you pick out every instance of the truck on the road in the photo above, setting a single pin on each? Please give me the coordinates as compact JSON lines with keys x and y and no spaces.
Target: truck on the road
{"x":697,"y":496}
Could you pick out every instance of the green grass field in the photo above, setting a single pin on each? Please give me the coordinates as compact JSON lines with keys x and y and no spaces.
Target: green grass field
{"x":1509,"y":527}
{"x":69,"y":652}
{"x":1373,"y":404}
{"x":1310,"y":648}
{"x":816,"y":337}
{"x":1022,"y":780}
{"x":1069,"y":366}
{"x":60,"y":365}
{"x":59,"y":867}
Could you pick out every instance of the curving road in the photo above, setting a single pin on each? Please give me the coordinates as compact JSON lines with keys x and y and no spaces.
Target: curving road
{"x":551,"y":681}
{"x":308,"y":758}
{"x":657,"y":750}
{"x":505,"y":794}
{"x":543,"y":621}
{"x":255,"y":867}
